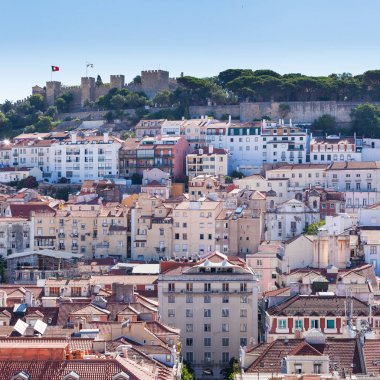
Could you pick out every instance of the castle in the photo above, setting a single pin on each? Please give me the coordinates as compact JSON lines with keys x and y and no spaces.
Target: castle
{"x":152,"y":81}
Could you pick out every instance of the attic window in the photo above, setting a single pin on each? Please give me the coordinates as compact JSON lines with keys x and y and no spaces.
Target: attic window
{"x":21,"y":376}
{"x":120,"y":376}
{"x":71,"y":376}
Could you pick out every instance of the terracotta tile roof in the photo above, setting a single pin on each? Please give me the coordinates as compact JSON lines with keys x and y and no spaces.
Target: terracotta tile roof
{"x":318,"y":305}
{"x":25,"y":210}
{"x":50,"y":314}
{"x":277,"y":292}
{"x":125,"y":279}
{"x":95,"y":369}
{"x":340,"y":350}
{"x":371,"y":354}
{"x":354,"y":165}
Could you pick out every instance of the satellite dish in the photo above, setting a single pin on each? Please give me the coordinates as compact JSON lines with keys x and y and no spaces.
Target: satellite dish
{"x":40,"y":326}
{"x":21,"y":327}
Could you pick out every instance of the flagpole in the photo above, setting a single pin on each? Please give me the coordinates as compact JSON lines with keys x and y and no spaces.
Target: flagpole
{"x":51,"y":74}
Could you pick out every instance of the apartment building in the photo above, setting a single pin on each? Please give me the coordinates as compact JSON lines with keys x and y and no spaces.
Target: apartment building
{"x":86,"y":158}
{"x":156,"y":182}
{"x":359,"y":181}
{"x":207,"y":161}
{"x":151,"y":228}
{"x":214,"y":303}
{"x":165,"y":152}
{"x":194,"y":227}
{"x":202,"y":185}
{"x":5,"y":153}
{"x":369,"y":227}
{"x":10,"y":174}
{"x":16,"y":235}
{"x":335,"y":148}
{"x":92,"y":229}
{"x":148,"y":127}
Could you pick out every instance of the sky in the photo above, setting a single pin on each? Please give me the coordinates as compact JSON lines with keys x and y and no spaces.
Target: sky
{"x":197,"y":37}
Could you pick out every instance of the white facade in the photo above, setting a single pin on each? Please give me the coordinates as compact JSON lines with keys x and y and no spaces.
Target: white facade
{"x":371,"y":150}
{"x":87,"y":158}
{"x":359,"y":181}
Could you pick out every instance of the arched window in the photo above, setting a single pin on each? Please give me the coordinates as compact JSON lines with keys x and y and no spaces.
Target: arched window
{"x":315,"y":204}
{"x":271,"y":204}
{"x":299,"y":197}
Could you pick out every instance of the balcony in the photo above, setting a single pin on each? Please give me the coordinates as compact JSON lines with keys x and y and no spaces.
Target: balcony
{"x":74,"y":247}
{"x":74,"y":234}
{"x":104,"y":244}
{"x":61,"y":235}
{"x":160,"y":249}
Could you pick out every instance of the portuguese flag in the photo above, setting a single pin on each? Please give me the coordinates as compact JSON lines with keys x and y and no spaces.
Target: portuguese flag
{"x":54,"y":68}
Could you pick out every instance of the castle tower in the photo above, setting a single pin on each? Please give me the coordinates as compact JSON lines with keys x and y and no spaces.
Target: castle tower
{"x":153,"y":81}
{"x":87,"y":89}
{"x":53,"y":89}
{"x":117,"y":81}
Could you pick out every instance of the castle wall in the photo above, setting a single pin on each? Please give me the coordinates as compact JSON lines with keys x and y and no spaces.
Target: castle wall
{"x":153,"y":81}
{"x":305,"y":112}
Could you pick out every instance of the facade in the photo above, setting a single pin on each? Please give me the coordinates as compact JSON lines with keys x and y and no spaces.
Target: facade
{"x":156,"y":182}
{"x":357,"y":180}
{"x":16,"y":235}
{"x":214,"y":303}
{"x":334,"y":148}
{"x":194,"y":228}
{"x":207,"y":161}
{"x":148,"y":128}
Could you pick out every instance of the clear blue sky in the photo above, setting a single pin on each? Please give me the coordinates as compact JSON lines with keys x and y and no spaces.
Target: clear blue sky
{"x":198,"y":37}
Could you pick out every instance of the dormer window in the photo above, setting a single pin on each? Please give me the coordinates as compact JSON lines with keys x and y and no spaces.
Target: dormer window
{"x":120,"y":376}
{"x":71,"y":376}
{"x":21,"y":376}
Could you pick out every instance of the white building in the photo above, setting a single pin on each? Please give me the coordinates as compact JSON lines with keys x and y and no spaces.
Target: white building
{"x":335,"y":148}
{"x":369,"y":226}
{"x":359,"y":181}
{"x":371,"y":150}
{"x":85,"y":158}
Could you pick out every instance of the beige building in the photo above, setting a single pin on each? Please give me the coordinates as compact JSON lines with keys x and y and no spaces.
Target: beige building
{"x":151,"y":229}
{"x":214,"y":303}
{"x":92,"y":229}
{"x":208,"y":161}
{"x":194,"y":227}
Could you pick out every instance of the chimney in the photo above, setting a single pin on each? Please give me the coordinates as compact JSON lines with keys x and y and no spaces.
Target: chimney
{"x":74,"y":138}
{"x":229,"y":119}
{"x":290,"y":122}
{"x":106,"y":136}
{"x":183,"y":118}
{"x":210,"y":149}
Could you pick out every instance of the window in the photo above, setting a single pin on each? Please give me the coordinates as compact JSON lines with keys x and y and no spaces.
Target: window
{"x":171,"y":298}
{"x":225,"y":299}
{"x":243,"y":327}
{"x":282,"y":323}
{"x":189,"y":327}
{"x":298,"y":368}
{"x":207,"y":327}
{"x":317,"y":368}
{"x":171,"y":287}
{"x":171,"y":313}
{"x":243,"y":342}
{"x":243,"y":313}
{"x":189,"y":299}
{"x":358,"y":186}
{"x":315,"y":323}
{"x":189,"y":342}
{"x":299,"y":324}
{"x":189,"y":357}
{"x":201,"y":236}
{"x":373,"y":249}
{"x":225,"y":313}
{"x":207,"y":313}
{"x":207,"y":287}
{"x":189,"y":313}
{"x":243,"y":299}
{"x":207,"y":357}
{"x":207,"y":299}
{"x":331,"y":324}
{"x":225,"y":327}
{"x":225,"y":357}
{"x":259,"y":263}
{"x":207,"y":342}
{"x":189,"y":287}
{"x":225,"y":342}
{"x":176,"y":236}
{"x":225,"y":287}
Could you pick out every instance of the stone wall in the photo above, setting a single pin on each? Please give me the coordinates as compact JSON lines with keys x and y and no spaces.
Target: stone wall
{"x":300,"y":112}
{"x":216,"y":111}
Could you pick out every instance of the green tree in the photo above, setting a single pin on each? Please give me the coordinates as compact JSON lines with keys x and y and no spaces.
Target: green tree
{"x":187,"y":372}
{"x":44,"y":124}
{"x":118,"y":102}
{"x":325,"y":124}
{"x":137,"y":79}
{"x":232,"y":369}
{"x":228,"y":75}
{"x":52,"y":111}
{"x":237,"y":174}
{"x":109,"y":116}
{"x":365,"y":120}
{"x":312,"y":229}
{"x":163,"y":98}
{"x":99,"y":81}
{"x":64,"y":101}
{"x":37,"y":101}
